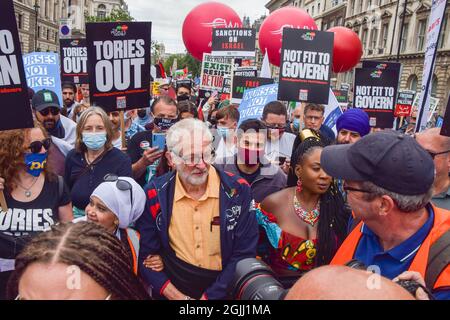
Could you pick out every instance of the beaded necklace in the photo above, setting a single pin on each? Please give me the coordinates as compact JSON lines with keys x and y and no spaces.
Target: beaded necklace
{"x":309,"y":217}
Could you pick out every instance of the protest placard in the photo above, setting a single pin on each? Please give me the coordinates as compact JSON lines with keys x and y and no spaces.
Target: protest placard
{"x":381,"y":65}
{"x":254,"y":101}
{"x":119,"y":64}
{"x":14,"y":102}
{"x":73,"y":57}
{"x":333,"y":111}
{"x":404,"y":104}
{"x":215,"y":71}
{"x":375,"y":91}
{"x":42,"y":72}
{"x":445,"y":126}
{"x":341,"y":96}
{"x":240,"y":84}
{"x":233,"y":42}
{"x":305,"y":69}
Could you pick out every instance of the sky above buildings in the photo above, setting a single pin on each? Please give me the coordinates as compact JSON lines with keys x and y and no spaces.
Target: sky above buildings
{"x":167,"y":16}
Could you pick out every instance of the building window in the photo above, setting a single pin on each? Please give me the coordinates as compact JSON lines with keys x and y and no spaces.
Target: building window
{"x":352,"y":7}
{"x":364,"y":37}
{"x":369,"y":4}
{"x":20,"y":21}
{"x":442,"y":38}
{"x":385,"y":35}
{"x":312,"y":11}
{"x":101,"y":11}
{"x":412,"y":82}
{"x":39,"y":32}
{"x":434,"y":86}
{"x":339,"y":21}
{"x":360,"y":6}
{"x":421,"y":34}
{"x":404,"y":37}
{"x":318,"y":8}
{"x":373,"y":38}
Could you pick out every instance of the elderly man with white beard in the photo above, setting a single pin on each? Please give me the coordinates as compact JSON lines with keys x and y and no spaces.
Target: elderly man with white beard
{"x":199,"y":219}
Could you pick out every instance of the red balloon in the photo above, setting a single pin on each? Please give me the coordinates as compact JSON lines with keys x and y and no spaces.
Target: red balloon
{"x":198,"y":25}
{"x":271,"y":32}
{"x":347,"y":50}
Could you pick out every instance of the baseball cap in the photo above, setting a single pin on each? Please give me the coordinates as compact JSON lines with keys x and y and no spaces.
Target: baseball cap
{"x":44,"y":99}
{"x":388,"y":159}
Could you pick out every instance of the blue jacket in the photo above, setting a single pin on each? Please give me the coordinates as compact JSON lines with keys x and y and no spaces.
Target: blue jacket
{"x":238,"y":229}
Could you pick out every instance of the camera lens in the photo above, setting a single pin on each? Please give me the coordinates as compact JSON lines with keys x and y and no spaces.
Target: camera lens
{"x":254,"y":280}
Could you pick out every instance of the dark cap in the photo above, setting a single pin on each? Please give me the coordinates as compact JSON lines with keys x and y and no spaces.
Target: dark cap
{"x":388,"y":159}
{"x":44,"y":99}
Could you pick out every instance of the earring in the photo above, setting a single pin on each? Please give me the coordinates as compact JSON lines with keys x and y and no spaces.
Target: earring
{"x":299,"y":185}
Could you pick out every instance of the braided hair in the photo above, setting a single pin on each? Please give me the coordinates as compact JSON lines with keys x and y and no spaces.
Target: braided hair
{"x":334,"y":215}
{"x":89,"y":246}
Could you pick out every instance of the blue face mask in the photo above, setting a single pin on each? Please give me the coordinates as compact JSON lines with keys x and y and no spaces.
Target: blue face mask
{"x":35,"y":163}
{"x":223,"y":132}
{"x":94,"y":141}
{"x":296,"y":123}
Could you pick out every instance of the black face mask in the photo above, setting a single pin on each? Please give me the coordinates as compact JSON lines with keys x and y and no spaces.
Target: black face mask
{"x":183,"y":97}
{"x":164,"y":123}
{"x":142,"y":113}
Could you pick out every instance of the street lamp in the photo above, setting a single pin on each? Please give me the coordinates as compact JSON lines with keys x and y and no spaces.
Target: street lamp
{"x":36,"y":11}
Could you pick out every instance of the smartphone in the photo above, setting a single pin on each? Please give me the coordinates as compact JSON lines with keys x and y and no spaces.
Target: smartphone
{"x":159,"y":140}
{"x":281,"y":160}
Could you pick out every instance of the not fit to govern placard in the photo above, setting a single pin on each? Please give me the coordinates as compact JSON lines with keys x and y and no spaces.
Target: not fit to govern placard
{"x":14,"y":103}
{"x":233,"y":42}
{"x":376,"y":91}
{"x":305,"y":68}
{"x":73,"y":55}
{"x":119,"y":64}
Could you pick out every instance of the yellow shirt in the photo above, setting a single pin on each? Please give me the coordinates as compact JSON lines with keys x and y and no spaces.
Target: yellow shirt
{"x":192,"y":235}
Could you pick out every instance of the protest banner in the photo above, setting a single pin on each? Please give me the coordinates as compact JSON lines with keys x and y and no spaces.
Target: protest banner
{"x":240,"y":84}
{"x":214,"y":72}
{"x":305,"y":70}
{"x":341,"y":96}
{"x":42,"y":72}
{"x":233,"y":42}
{"x":445,"y":127}
{"x":254,"y":101}
{"x":404,"y":104}
{"x":432,"y":106}
{"x":73,"y":55}
{"x":245,"y":72}
{"x":333,"y":111}
{"x":14,"y":102}
{"x":381,"y":65}
{"x":119,"y":64}
{"x":375,"y":91}
{"x":435,"y":26}
{"x":155,"y":87}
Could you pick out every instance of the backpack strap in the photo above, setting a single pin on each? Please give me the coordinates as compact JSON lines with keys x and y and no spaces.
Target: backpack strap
{"x":438,"y":259}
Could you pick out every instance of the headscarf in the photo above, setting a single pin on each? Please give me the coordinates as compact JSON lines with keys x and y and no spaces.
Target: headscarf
{"x":355,"y":120}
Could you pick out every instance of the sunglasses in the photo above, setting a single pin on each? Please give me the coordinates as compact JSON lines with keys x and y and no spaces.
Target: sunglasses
{"x":36,"y":146}
{"x":53,"y":111}
{"x":122,"y":185}
{"x":434,"y":154}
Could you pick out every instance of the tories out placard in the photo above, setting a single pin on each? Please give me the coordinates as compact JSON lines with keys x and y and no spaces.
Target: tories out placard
{"x":14,"y":103}
{"x":375,"y":91}
{"x":233,"y":42}
{"x":119,"y":64}
{"x":42,"y":72}
{"x":73,"y":55}
{"x":305,"y":69}
{"x":216,"y":73}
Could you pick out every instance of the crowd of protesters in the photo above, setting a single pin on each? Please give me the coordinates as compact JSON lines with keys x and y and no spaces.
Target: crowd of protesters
{"x":141,"y":220}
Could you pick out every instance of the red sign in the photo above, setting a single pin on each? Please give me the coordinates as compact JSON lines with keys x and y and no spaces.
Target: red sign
{"x":402,"y":110}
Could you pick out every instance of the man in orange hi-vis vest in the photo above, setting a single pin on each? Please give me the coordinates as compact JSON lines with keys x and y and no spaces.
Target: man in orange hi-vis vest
{"x":388,"y":179}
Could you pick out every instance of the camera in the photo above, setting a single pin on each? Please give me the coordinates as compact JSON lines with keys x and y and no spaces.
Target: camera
{"x":255,"y":280}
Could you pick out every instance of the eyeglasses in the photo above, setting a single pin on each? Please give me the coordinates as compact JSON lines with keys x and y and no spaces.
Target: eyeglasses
{"x":347,"y":189}
{"x":195,"y":159}
{"x":36,"y":146}
{"x":434,"y":154}
{"x":53,"y":111}
{"x":122,"y":185}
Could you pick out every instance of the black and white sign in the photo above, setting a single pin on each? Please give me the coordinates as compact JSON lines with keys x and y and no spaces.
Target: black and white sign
{"x":73,"y":54}
{"x":14,"y":103}
{"x":375,"y":91}
{"x":119,"y":64}
{"x":305,"y":68}
{"x":240,"y":84}
{"x":233,"y":42}
{"x":381,"y":65}
{"x":245,"y":72}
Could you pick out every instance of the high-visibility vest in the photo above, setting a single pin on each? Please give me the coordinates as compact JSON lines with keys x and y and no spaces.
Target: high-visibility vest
{"x":420,"y":262}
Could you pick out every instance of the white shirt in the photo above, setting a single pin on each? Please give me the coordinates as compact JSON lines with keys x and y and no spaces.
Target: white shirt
{"x":280,"y":148}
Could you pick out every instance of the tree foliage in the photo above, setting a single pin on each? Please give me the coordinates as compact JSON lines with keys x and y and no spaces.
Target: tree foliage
{"x":184,"y":60}
{"x":117,"y":15}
